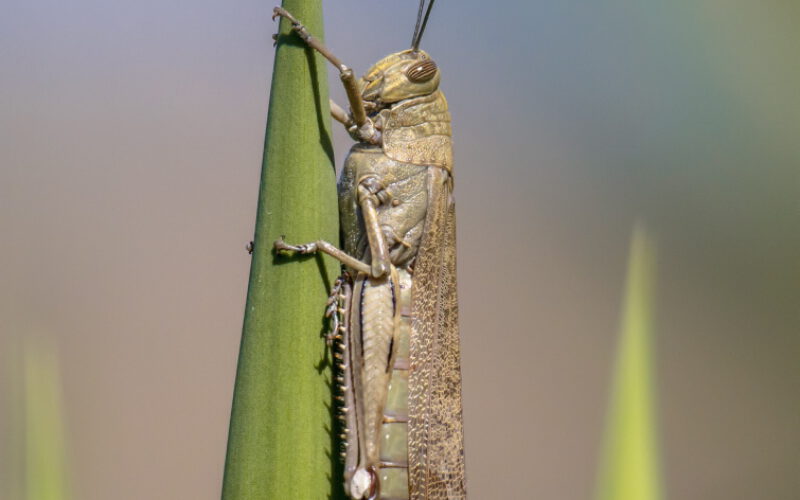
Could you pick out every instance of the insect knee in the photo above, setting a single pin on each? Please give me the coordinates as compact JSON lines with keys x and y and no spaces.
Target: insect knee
{"x":372,"y":187}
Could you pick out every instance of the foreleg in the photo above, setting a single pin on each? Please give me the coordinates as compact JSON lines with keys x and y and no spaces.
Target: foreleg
{"x":340,"y":115}
{"x":365,"y":128}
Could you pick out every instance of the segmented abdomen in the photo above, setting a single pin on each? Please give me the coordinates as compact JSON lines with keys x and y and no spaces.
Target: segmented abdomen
{"x":376,"y":352}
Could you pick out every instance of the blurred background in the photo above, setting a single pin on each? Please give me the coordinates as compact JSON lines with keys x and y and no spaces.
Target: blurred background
{"x":131,"y":137}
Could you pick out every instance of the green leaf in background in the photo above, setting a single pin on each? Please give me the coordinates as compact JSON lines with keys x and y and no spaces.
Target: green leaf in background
{"x":630,"y":467}
{"x":44,"y":449}
{"x":281,"y":441}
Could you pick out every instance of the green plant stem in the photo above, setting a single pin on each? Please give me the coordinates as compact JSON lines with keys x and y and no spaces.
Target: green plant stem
{"x":280,"y":443}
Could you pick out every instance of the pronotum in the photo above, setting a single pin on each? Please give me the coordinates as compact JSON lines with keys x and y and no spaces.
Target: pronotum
{"x":394,"y":309}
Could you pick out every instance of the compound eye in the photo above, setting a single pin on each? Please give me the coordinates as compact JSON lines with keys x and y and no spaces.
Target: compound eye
{"x":421,"y":71}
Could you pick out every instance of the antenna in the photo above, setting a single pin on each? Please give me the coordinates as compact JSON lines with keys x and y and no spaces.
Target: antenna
{"x":419,"y":29}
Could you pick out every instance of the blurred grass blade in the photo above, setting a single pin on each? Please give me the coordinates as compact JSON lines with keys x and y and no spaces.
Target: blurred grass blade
{"x":280,"y":442}
{"x":630,"y":468}
{"x":45,"y":459}
{"x":12,"y":421}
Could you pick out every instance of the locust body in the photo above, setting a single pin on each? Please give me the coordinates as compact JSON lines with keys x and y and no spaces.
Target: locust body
{"x":394,"y":309}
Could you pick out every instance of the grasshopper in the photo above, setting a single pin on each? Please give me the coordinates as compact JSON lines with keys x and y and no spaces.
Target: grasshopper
{"x":394,"y":309}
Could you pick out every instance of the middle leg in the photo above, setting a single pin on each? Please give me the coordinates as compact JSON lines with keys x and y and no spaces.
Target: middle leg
{"x":325,"y":247}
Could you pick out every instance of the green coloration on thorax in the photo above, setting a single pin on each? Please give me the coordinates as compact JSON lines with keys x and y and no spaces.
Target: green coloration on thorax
{"x":280,"y":441}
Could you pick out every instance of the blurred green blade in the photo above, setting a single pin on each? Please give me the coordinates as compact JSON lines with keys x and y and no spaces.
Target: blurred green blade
{"x":45,"y":462}
{"x":630,"y":467}
{"x":280,"y":442}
